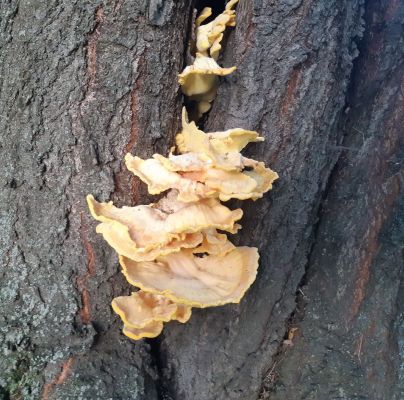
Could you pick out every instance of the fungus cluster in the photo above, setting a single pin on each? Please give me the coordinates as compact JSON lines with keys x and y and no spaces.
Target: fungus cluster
{"x":176,"y":251}
{"x":200,"y":80}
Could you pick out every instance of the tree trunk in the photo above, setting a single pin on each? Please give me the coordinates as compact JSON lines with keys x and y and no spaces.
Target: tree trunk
{"x":82,"y":83}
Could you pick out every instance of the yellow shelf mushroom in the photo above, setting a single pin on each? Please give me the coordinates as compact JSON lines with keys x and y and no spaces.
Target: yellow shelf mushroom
{"x":186,"y":278}
{"x":211,"y":166}
{"x":209,"y":36}
{"x":173,"y":250}
{"x":207,"y":182}
{"x":221,"y":148}
{"x":144,"y":232}
{"x":143,"y":313}
{"x":200,"y":80}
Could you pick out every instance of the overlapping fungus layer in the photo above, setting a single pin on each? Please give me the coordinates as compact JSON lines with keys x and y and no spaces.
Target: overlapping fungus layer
{"x":172,"y":250}
{"x":176,"y":251}
{"x":200,"y":80}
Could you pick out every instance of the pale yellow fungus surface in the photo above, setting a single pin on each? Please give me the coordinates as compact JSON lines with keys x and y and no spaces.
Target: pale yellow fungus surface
{"x":186,"y":278}
{"x":175,"y":250}
{"x":143,"y":313}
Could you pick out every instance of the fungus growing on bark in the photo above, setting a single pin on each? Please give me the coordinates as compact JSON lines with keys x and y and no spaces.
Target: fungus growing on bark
{"x":200,"y":80}
{"x":143,"y":313}
{"x":185,"y":278}
{"x":211,"y":166}
{"x":209,"y":36}
{"x":221,"y":148}
{"x":172,"y":250}
{"x":144,"y":232}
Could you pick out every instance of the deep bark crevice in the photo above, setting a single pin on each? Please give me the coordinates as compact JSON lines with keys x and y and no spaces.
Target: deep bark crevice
{"x":297,"y":314}
{"x":357,"y":86}
{"x":164,"y":391}
{"x":217,"y":7}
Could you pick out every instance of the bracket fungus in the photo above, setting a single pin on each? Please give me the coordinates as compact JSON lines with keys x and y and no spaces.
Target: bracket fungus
{"x":210,"y":166}
{"x":172,"y":250}
{"x":200,"y":80}
{"x":143,"y":232}
{"x":185,"y":278}
{"x":143,"y":313}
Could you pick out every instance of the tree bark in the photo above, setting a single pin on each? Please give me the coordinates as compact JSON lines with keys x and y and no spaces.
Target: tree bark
{"x":82,"y":83}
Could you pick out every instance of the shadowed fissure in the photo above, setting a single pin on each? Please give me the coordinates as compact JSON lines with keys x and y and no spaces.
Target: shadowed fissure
{"x":173,"y":251}
{"x":298,"y":313}
{"x":164,"y":386}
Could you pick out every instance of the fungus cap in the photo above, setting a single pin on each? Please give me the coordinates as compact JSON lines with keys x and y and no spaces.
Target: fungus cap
{"x":159,"y":179}
{"x":197,"y":179}
{"x":149,"y":331}
{"x":126,"y":231}
{"x":201,"y":78}
{"x":143,"y":313}
{"x":187,"y":279}
{"x":209,"y":36}
{"x":222,"y":148}
{"x":140,"y":309}
{"x":143,"y":232}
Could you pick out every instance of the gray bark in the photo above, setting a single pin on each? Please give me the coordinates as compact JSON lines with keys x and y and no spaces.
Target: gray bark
{"x":82,"y":83}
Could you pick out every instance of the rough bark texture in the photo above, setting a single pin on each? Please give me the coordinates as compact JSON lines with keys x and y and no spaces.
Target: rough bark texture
{"x":82,"y":83}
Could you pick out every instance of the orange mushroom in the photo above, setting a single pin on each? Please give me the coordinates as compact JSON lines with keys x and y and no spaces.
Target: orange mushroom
{"x":210,"y":181}
{"x":200,"y":80}
{"x":221,"y":148}
{"x":210,"y":166}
